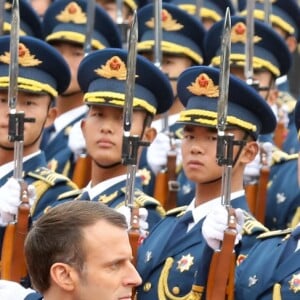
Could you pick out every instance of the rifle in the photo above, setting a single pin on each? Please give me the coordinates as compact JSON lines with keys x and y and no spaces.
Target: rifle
{"x":82,"y":170}
{"x":166,"y":185}
{"x":131,"y":143}
{"x":12,"y":257}
{"x":221,"y":273}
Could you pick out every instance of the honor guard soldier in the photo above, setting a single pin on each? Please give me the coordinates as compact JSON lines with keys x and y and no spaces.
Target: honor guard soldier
{"x":271,"y":59}
{"x":64,"y":26}
{"x":284,"y":16}
{"x":102,"y":77}
{"x":275,"y":251}
{"x":170,"y":256}
{"x":181,"y":47}
{"x":43,"y":73}
{"x":211,"y":11}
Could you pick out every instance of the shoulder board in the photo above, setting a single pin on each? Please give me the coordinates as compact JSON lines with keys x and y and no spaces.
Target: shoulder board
{"x":274,"y":233}
{"x":177,"y":211}
{"x":69,"y":194}
{"x":251,"y":225}
{"x":144,"y":200}
{"x":48,"y":176}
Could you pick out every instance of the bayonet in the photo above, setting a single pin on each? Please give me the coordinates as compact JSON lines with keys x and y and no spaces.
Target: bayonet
{"x":123,"y":26}
{"x":131,"y":143}
{"x":2,"y":13}
{"x":225,"y":142}
{"x":16,"y":118}
{"x":268,"y":12}
{"x":157,"y":33}
{"x":249,"y":49}
{"x":91,"y":6}
{"x":199,"y":5}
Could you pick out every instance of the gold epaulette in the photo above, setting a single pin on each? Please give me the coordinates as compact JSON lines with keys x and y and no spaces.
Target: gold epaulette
{"x":273,"y":233}
{"x":144,"y":200}
{"x":285,"y":98}
{"x":251,"y":225}
{"x":49,"y":176}
{"x":279,"y":156}
{"x":176,"y":211}
{"x":69,"y":194}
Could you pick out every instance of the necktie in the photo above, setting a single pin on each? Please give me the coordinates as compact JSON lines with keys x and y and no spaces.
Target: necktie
{"x":46,"y":136}
{"x":84,"y":196}
{"x":180,"y":228}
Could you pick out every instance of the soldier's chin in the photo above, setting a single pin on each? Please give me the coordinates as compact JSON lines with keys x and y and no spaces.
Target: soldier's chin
{"x":7,"y":147}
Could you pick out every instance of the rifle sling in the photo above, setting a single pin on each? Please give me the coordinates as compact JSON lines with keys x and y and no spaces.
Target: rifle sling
{"x":173,"y":185}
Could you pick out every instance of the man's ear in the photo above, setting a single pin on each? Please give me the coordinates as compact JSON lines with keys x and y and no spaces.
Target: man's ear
{"x":64,"y":276}
{"x":52,"y":114}
{"x":249,"y":152}
{"x":150,"y":134}
{"x":291,"y":42}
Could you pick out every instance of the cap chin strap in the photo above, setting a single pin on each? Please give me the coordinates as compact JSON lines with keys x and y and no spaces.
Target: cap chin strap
{"x":241,"y":145}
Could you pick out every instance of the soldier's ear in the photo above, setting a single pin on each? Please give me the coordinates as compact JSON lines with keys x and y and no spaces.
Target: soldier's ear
{"x":63,"y":276}
{"x":150,"y":134}
{"x":51,"y":116}
{"x":249,"y":152}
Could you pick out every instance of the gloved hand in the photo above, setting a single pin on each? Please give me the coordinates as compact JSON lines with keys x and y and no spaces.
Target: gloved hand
{"x":216,"y":222}
{"x":252,"y":170}
{"x":11,"y":199}
{"x":158,"y":150}
{"x":76,"y":140}
{"x":13,"y":290}
{"x":143,"y":215}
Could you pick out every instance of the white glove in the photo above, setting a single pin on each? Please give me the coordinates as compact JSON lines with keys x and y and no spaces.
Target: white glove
{"x":11,"y":200}
{"x":143,"y":215}
{"x":12,"y":290}
{"x":76,"y":140}
{"x":215,"y":224}
{"x":158,"y":150}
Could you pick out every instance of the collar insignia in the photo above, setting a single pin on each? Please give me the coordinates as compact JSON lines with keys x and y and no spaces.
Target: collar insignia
{"x":295,"y":283}
{"x":185,"y":263}
{"x":252,"y":280}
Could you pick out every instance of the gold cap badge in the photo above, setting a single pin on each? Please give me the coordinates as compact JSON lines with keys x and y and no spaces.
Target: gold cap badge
{"x":167,"y":24}
{"x":239,"y":34}
{"x":72,"y":13}
{"x":204,"y":86}
{"x":25,"y":58}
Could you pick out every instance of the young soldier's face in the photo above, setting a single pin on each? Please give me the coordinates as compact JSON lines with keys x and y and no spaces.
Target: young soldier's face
{"x":73,"y":54}
{"x":103,"y":132}
{"x":199,"y":146}
{"x":108,"y":271}
{"x":172,"y":66}
{"x":34,"y":106}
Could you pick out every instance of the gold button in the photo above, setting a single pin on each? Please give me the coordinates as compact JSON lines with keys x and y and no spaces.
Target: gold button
{"x":176,"y":290}
{"x":147,"y":286}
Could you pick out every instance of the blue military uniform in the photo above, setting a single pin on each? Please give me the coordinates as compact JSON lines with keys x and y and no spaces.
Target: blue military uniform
{"x":283,"y":191}
{"x":65,"y":21}
{"x":266,"y":273}
{"x":114,"y":197}
{"x":170,"y":256}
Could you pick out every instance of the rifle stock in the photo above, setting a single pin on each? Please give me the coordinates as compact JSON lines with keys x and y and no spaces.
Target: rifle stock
{"x":161,"y":187}
{"x":82,"y":171}
{"x":220,"y":283}
{"x":13,"y":266}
